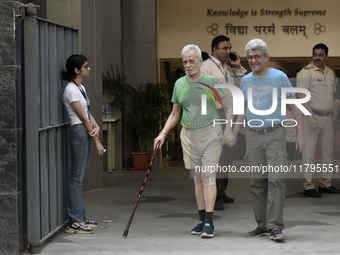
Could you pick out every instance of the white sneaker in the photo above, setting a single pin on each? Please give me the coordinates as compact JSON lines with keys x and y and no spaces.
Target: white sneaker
{"x":78,"y":228}
{"x":91,"y":223}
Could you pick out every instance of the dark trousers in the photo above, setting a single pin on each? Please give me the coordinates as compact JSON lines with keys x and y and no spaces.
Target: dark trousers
{"x":290,"y":147}
{"x":226,"y":159}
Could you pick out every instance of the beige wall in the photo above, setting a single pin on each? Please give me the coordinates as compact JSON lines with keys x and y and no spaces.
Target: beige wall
{"x":181,"y":22}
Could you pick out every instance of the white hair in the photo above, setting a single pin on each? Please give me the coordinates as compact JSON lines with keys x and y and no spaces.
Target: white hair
{"x":258,"y":44}
{"x":192,"y":47}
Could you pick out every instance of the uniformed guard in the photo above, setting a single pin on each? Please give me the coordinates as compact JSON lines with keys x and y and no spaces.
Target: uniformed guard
{"x":320,"y":80}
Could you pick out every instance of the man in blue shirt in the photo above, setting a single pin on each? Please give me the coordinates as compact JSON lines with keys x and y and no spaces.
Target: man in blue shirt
{"x":266,"y":139}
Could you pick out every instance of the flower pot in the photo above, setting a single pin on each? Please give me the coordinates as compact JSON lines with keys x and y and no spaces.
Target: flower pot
{"x":140,"y":160}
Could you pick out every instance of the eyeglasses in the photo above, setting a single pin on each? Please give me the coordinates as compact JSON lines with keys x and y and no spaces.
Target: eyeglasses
{"x":85,"y":66}
{"x":256,"y":57}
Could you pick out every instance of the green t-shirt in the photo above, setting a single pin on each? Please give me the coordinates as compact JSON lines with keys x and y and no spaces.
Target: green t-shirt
{"x":189,"y":96}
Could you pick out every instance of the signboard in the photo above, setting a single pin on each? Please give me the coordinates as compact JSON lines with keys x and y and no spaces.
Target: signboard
{"x":291,"y":28}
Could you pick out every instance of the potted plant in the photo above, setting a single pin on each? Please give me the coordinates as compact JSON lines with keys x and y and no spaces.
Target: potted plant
{"x":143,"y":109}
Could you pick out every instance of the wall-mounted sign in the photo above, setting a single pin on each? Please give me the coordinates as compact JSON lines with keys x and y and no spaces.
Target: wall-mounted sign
{"x":265,"y":30}
{"x":265,"y":12}
{"x":280,"y":23}
{"x":319,"y":28}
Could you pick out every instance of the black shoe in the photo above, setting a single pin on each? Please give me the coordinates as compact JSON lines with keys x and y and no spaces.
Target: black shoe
{"x":228,"y":200}
{"x":218,"y":206}
{"x":312,"y":193}
{"x":258,"y":232}
{"x":198,"y":229}
{"x":330,"y":189}
{"x":277,"y":235}
{"x":208,"y":230}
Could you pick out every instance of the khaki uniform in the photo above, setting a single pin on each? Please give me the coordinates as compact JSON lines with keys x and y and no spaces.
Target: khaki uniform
{"x":322,"y":87}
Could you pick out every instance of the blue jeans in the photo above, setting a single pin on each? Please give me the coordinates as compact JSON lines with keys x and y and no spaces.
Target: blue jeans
{"x":80,"y":143}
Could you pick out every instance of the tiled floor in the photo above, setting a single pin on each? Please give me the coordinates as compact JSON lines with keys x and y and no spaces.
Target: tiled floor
{"x":167,"y":212}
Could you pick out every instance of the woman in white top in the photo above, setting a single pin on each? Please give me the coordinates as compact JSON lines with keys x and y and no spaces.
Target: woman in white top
{"x":83,"y":130}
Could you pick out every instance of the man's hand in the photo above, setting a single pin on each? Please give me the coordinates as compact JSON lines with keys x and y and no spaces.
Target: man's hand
{"x":229,"y":139}
{"x":300,"y":143}
{"x":314,"y":125}
{"x":237,"y":62}
{"x":159,"y":138}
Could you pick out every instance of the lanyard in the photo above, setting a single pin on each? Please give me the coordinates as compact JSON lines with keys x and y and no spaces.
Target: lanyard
{"x":225,"y":76}
{"x":87,"y":101}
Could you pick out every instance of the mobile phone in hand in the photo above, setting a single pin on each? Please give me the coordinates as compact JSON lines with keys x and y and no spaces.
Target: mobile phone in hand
{"x":232,"y":56}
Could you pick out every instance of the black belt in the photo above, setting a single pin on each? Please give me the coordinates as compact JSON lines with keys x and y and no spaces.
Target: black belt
{"x":321,"y":113}
{"x":262,"y":131}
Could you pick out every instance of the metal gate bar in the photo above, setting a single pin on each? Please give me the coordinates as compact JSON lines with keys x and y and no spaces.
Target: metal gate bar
{"x":47,"y":45}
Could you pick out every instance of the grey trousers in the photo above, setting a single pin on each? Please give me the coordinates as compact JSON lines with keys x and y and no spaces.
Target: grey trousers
{"x":267,"y":188}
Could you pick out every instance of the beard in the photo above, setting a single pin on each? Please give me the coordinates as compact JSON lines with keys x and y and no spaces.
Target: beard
{"x":195,"y":71}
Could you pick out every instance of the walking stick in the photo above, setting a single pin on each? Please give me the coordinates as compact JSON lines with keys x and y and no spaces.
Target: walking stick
{"x":126,"y":231}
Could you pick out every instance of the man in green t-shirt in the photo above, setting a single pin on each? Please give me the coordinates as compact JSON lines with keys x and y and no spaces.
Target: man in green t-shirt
{"x":201,"y":139}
